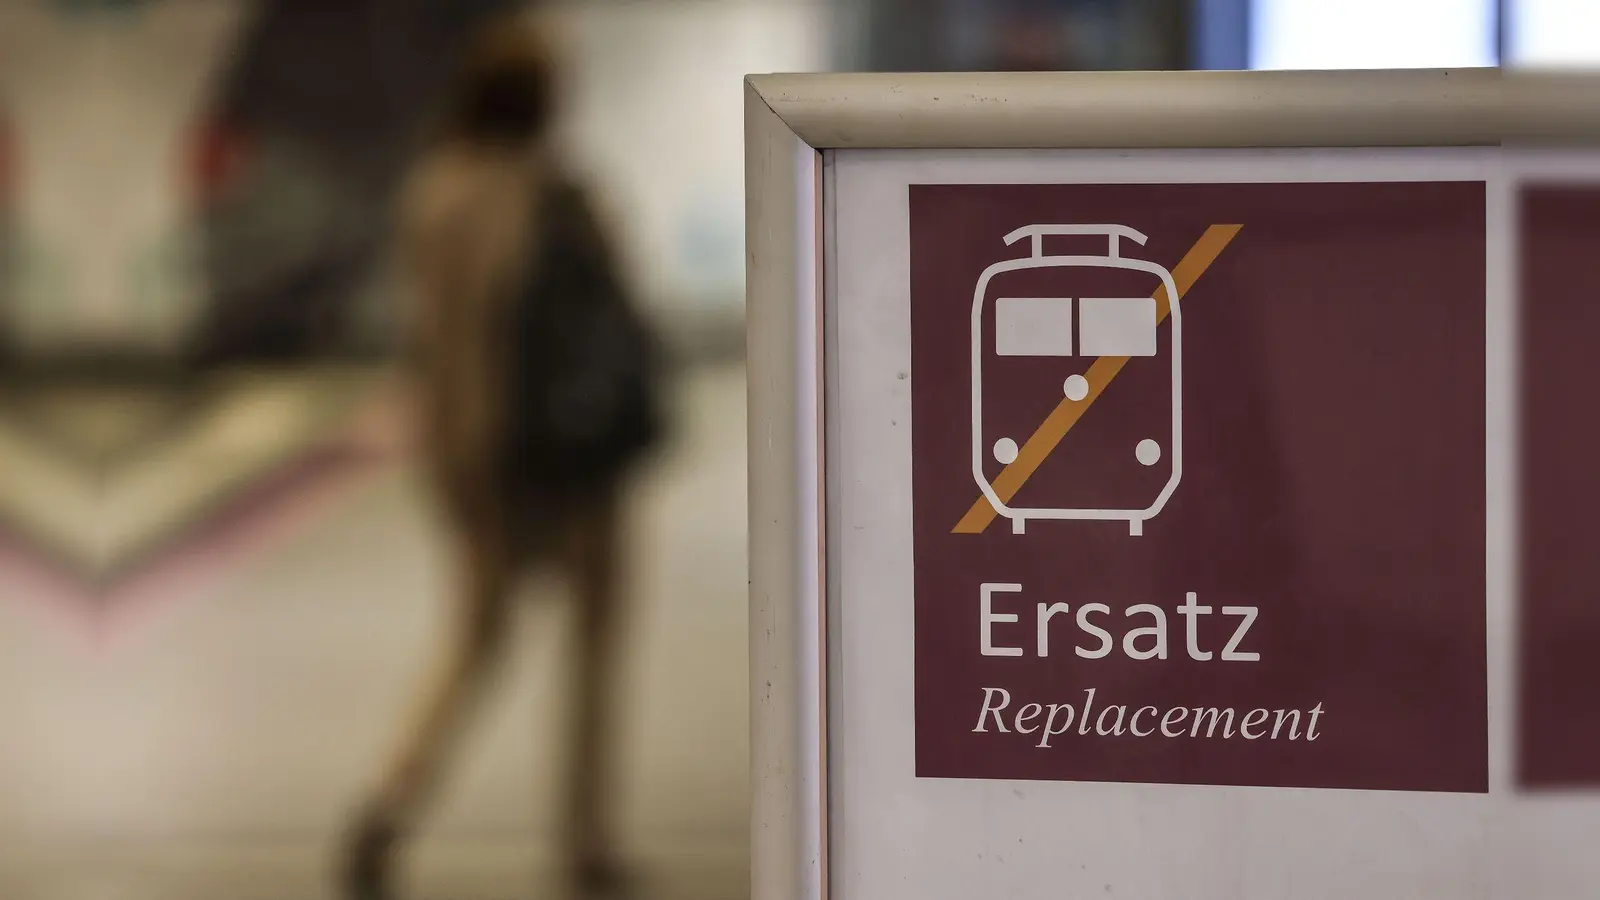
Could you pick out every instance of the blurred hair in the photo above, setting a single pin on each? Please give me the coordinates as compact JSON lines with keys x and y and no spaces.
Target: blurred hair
{"x":504,"y":92}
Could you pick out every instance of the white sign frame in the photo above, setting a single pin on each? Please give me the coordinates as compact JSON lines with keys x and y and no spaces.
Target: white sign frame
{"x":791,"y":119}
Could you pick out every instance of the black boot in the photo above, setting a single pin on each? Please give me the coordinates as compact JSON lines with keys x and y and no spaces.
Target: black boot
{"x":601,"y":878}
{"x":367,"y":856}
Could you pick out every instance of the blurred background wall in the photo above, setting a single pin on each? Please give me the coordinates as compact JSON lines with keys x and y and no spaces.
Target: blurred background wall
{"x":220,"y":584}
{"x":257,"y":141}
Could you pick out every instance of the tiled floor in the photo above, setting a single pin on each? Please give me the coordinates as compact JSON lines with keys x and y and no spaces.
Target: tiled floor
{"x":209,"y":748}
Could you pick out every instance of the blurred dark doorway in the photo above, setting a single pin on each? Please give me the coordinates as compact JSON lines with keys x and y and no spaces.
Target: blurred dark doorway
{"x":296,"y":162}
{"x":1019,"y":35}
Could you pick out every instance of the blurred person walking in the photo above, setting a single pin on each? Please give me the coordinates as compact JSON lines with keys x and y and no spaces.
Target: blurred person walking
{"x":538,"y":394}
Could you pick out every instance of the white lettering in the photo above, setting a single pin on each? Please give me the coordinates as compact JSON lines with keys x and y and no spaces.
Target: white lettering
{"x":1158,"y":650}
{"x":1190,"y":610}
{"x":1252,"y":718}
{"x":1216,"y":716}
{"x":1088,"y":707}
{"x":1116,"y":727}
{"x":1143,"y":634}
{"x":1023,"y":717}
{"x":1294,"y":726}
{"x":1050,"y":720}
{"x":1133,"y":725}
{"x":1230,"y":653}
{"x":1106,"y":643}
{"x":1050,"y":729}
{"x":988,"y":694}
{"x":1311,"y":733}
{"x":1169,"y":720}
{"x":989,"y":617}
{"x":1046,"y":613}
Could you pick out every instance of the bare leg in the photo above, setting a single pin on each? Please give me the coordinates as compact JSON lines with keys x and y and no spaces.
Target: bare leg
{"x":412,"y":777}
{"x":595,"y":564}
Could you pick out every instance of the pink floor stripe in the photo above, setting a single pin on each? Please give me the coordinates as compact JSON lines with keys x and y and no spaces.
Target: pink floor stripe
{"x":261,"y":518}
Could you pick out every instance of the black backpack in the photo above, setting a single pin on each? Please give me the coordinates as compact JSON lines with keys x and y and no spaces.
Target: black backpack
{"x":584,"y":364}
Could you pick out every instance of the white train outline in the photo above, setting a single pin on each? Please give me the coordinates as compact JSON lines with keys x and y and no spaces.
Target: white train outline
{"x":1113,"y":259}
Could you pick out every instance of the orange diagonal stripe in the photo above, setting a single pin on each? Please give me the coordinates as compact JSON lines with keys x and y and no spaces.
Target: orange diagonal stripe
{"x":1067,"y":413}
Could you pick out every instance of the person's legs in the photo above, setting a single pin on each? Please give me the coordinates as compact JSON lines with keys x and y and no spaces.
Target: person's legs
{"x":595,"y":565}
{"x":411,"y":779}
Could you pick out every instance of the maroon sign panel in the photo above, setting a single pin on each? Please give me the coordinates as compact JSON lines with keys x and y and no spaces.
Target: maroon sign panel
{"x":1559,"y":678}
{"x":1237,"y":539}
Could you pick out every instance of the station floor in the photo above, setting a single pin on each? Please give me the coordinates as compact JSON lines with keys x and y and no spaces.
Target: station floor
{"x":209,"y":745}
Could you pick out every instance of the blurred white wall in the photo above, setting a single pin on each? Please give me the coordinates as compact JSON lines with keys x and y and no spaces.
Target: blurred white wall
{"x":1372,"y":34}
{"x":1553,"y":33}
{"x":658,"y":121}
{"x":99,"y":103}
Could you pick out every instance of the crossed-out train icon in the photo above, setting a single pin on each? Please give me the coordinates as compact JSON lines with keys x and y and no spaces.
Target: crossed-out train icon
{"x":1106,"y":327}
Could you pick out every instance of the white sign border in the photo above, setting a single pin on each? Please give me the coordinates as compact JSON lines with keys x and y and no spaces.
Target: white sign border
{"x":1167,"y":841}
